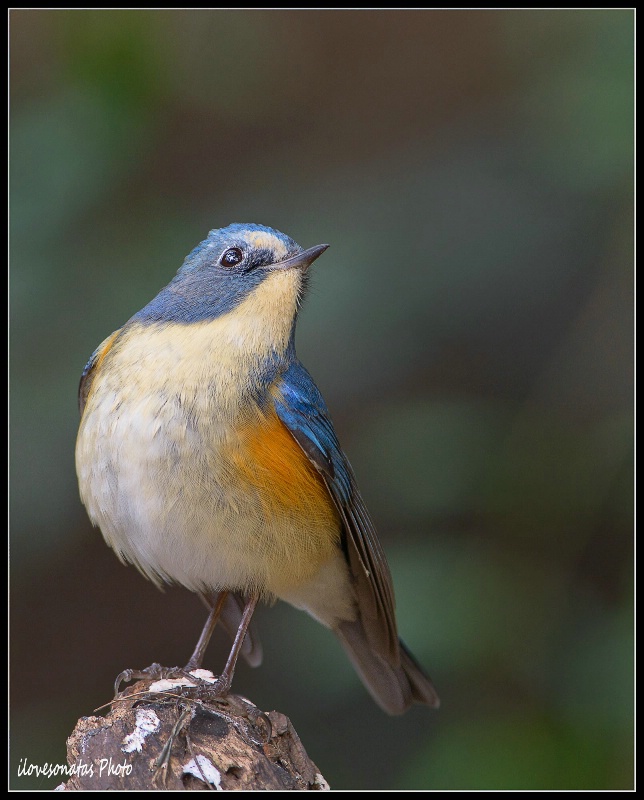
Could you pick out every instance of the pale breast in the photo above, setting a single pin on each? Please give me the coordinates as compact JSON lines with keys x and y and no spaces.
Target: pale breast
{"x":173,"y":478}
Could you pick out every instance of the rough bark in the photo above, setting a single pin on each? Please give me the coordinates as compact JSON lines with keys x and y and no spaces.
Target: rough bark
{"x":183,"y":739}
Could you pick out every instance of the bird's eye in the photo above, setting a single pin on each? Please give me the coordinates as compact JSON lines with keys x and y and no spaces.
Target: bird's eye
{"x":231,"y":257}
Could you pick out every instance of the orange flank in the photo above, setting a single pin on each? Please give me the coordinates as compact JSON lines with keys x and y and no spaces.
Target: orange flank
{"x":288,"y":485}
{"x":105,"y":348}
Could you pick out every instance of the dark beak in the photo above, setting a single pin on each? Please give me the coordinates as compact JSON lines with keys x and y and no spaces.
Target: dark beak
{"x":301,"y":260}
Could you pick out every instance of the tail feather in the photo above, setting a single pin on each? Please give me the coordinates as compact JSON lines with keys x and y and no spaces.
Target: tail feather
{"x":394,"y":686}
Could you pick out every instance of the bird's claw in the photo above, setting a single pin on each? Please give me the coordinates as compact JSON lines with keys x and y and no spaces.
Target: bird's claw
{"x":214,"y":689}
{"x":207,"y":685}
{"x":154,"y":672}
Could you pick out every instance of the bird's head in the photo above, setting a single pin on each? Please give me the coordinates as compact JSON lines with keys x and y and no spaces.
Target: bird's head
{"x":241,"y":264}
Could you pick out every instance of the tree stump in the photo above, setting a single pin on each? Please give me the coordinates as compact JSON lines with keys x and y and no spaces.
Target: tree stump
{"x":173,"y":735}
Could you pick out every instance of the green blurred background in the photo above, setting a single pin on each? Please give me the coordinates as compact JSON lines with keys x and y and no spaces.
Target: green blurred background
{"x":471,"y":328}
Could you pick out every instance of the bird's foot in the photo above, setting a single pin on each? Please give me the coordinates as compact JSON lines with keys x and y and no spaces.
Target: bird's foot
{"x":155,"y":672}
{"x":177,"y":678}
{"x":212,"y":686}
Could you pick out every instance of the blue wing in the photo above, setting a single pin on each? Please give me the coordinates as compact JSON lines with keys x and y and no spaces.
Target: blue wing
{"x":302,"y":409}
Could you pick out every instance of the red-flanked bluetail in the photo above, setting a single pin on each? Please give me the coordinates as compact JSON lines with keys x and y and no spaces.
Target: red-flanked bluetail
{"x":207,"y":457}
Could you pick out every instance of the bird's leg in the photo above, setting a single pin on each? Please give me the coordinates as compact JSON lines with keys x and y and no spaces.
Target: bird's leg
{"x":225,"y":680}
{"x":222,"y":685}
{"x":157,"y":672}
{"x":196,"y":658}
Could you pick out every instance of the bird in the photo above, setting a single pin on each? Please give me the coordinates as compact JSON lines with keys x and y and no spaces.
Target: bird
{"x":207,"y":457}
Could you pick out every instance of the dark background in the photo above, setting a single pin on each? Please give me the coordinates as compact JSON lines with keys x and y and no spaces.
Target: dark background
{"x":471,"y":328}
